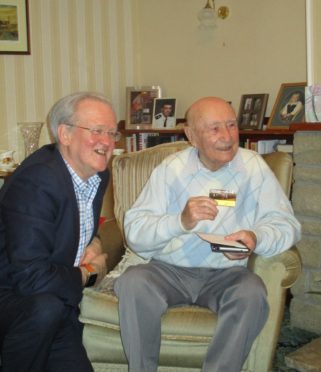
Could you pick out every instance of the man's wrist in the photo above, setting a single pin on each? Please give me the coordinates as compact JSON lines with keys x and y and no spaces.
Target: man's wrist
{"x":84,"y":275}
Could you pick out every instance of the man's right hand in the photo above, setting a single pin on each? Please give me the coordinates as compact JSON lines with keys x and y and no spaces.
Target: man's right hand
{"x":198,"y":208}
{"x":99,"y":264}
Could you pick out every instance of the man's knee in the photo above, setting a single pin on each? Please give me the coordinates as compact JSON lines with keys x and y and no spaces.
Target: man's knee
{"x":252,"y":294}
{"x":133,"y":279}
{"x":45,"y":309}
{"x":254,"y":287}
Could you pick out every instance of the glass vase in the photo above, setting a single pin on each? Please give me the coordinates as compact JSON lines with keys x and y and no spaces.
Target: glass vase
{"x":30,"y":133}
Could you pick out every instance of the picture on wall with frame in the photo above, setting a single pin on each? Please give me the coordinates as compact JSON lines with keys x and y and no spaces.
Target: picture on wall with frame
{"x":140,"y":106}
{"x":289,"y":106}
{"x":164,"y":115}
{"x":252,"y":110}
{"x":14,"y":27}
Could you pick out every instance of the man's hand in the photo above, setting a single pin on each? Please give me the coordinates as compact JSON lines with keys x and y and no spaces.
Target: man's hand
{"x":92,"y":250}
{"x":198,"y":208}
{"x":99,"y":265}
{"x":248,"y":238}
{"x":93,"y":255}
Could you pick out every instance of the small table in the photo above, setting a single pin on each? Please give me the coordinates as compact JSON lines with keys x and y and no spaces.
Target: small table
{"x":5,"y":174}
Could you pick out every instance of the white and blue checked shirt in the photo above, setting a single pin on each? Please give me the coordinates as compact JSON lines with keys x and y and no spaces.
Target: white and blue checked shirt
{"x":85,"y":194}
{"x":153,"y":225}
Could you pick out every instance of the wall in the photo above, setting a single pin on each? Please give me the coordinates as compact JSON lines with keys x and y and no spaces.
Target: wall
{"x":261,"y":45}
{"x":317,"y":38}
{"x":107,"y":45}
{"x":75,"y":45}
{"x":313,"y":14}
{"x":305,"y":306}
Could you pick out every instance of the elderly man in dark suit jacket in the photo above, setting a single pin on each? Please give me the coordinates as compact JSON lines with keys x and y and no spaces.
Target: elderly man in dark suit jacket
{"x":49,"y":251}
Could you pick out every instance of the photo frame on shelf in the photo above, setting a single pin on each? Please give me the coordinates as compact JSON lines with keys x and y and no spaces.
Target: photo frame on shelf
{"x":140,"y":106}
{"x":289,"y":107}
{"x":251,"y":111}
{"x":14,"y":31}
{"x":164,"y":115}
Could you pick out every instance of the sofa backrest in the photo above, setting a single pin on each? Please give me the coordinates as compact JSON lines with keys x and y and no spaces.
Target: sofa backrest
{"x":281,"y":164}
{"x":132,"y":170}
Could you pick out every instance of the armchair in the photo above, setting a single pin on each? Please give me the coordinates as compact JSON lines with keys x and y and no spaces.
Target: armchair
{"x":186,"y":331}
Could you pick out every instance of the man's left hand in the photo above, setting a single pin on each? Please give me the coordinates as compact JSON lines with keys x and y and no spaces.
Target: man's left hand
{"x":92,"y":250}
{"x":246,"y":237}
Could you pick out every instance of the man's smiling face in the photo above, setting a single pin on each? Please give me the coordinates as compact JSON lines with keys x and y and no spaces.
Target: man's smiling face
{"x":86,"y":152}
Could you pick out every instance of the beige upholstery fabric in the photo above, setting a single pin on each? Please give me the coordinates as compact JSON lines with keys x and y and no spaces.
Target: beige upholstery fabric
{"x":186,"y":331}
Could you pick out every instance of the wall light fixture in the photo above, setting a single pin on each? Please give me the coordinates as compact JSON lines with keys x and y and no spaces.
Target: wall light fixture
{"x":207,"y":15}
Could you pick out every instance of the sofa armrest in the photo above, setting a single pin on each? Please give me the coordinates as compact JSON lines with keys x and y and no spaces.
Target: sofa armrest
{"x":289,"y":261}
{"x":278,"y":273}
{"x":112,"y":242}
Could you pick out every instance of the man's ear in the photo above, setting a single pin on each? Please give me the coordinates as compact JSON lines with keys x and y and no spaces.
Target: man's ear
{"x":64,"y":134}
{"x":189,"y":134}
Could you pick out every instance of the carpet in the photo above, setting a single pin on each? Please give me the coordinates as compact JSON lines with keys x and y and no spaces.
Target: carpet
{"x":291,"y":339}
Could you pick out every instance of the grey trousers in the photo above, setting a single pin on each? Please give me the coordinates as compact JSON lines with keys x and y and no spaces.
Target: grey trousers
{"x":146,"y":291}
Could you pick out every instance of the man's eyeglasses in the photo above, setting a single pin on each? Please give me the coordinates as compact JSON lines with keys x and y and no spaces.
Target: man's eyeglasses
{"x":115,"y":136}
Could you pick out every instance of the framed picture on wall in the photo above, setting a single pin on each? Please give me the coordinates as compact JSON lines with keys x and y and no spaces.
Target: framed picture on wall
{"x":140,"y":106}
{"x":252,"y":110}
{"x":164,"y":115}
{"x":289,"y":106}
{"x":14,"y":27}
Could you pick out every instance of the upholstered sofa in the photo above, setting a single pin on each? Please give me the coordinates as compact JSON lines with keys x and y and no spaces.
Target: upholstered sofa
{"x":186,"y":331}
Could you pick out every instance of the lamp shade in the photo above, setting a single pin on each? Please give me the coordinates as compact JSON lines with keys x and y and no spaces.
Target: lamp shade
{"x":206,"y":17}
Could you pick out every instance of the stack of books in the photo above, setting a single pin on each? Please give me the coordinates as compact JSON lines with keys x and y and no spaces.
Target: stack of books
{"x":140,"y":141}
{"x":266,"y":146}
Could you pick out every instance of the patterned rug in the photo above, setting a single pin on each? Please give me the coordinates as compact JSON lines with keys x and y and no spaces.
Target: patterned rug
{"x":290,"y":339}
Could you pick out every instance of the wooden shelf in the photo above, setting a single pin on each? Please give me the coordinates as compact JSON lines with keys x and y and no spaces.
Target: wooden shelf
{"x":254,"y":135}
{"x":305,"y":126}
{"x":166,"y":131}
{"x":180,"y":130}
{"x":267,"y":132}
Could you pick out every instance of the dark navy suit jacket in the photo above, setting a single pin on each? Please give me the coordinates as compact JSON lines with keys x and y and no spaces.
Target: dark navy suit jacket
{"x":39,"y":228}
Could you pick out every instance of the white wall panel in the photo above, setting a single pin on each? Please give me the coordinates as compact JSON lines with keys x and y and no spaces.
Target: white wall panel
{"x":75,"y":45}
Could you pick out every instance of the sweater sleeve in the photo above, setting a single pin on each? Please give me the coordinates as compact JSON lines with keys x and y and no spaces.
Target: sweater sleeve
{"x":148,"y":226}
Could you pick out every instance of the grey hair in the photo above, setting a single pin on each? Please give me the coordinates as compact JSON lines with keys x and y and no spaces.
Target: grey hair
{"x":64,"y":110}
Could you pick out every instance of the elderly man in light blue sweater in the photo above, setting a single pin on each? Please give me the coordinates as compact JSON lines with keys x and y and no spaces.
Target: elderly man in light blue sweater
{"x":163,"y":226}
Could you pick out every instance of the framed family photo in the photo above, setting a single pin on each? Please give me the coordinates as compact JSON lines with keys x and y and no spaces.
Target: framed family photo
{"x":164,"y":115}
{"x":252,"y":110}
{"x":14,"y":27}
{"x":140,"y":106}
{"x":289,"y":106}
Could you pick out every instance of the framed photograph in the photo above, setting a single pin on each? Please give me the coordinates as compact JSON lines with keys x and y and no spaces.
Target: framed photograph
{"x":140,"y":106}
{"x":289,"y":106}
{"x":164,"y":115}
{"x":252,"y":110}
{"x":14,"y":27}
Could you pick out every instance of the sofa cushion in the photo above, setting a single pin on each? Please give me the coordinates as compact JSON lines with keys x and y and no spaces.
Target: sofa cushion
{"x":100,"y":307}
{"x":186,"y":323}
{"x":183,"y":323}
